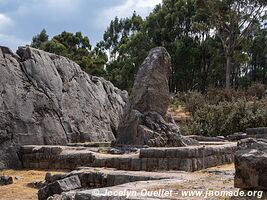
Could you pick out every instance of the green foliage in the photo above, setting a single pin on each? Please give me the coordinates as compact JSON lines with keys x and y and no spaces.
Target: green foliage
{"x":178,"y":100}
{"x":257,"y":50}
{"x":212,"y":43}
{"x":127,"y":46}
{"x":39,"y":39}
{"x":223,"y":112}
{"x":228,"y":117}
{"x":204,"y":38}
{"x":75,"y":47}
{"x":257,"y":90}
{"x":194,"y":101}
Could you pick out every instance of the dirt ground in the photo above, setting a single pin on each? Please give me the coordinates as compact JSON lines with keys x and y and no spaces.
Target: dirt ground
{"x":20,"y":190}
{"x":179,"y":114}
{"x":220,"y":177}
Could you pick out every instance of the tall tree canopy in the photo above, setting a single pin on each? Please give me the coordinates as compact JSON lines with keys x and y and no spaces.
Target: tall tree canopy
{"x":75,"y":47}
{"x":212,"y":43}
{"x":232,"y":22}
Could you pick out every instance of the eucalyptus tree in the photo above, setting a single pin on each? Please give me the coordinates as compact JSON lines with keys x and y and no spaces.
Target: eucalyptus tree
{"x":232,"y":21}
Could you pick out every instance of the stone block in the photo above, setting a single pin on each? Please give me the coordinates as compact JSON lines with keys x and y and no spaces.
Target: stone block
{"x":170,"y":153}
{"x":57,"y":187}
{"x":186,"y":165}
{"x":86,"y":159}
{"x":116,"y":163}
{"x":56,"y":150}
{"x":125,"y":164}
{"x":174,"y":163}
{"x":255,"y":131}
{"x":136,"y":164}
{"x":182,"y":153}
{"x":33,"y":165}
{"x":152,"y":164}
{"x":163,"y":164}
{"x":44,"y":165}
{"x":110,"y":180}
{"x":99,"y":162}
{"x":87,"y":179}
{"x":121,"y":179}
{"x":147,"y":153}
{"x":144,"y":164}
{"x":46,"y":150}
{"x":160,"y":153}
{"x":250,"y":164}
{"x":26,"y":149}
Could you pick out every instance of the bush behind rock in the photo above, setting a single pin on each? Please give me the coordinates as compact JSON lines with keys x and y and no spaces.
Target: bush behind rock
{"x":227,"y":117}
{"x":222,"y":111}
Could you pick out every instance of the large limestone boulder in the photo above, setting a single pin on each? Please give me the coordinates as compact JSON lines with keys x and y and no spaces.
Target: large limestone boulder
{"x":145,"y":120}
{"x":59,"y":186}
{"x":251,"y":164}
{"x":48,"y":99}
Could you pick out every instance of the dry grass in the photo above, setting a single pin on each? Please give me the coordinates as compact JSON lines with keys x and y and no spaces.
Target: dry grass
{"x":19,"y":189}
{"x":202,"y":181}
{"x":179,"y":114}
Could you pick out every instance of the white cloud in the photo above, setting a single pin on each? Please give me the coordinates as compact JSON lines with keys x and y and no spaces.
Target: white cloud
{"x":142,"y":7}
{"x":64,"y":5}
{"x":54,"y":9}
{"x":12,"y":41}
{"x":5,"y":22}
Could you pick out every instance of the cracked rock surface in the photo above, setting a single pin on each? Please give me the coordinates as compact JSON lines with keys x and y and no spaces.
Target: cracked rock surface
{"x":48,"y":99}
{"x":250,"y":164}
{"x":145,"y":120}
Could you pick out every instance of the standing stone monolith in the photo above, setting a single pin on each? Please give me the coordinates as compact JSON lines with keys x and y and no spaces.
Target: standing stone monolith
{"x":145,"y":120}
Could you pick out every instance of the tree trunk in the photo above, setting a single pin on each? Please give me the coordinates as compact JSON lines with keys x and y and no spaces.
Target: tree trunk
{"x":228,"y":72}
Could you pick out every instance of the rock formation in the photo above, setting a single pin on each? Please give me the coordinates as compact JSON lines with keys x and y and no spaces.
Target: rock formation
{"x":145,"y":120}
{"x":6,"y":180}
{"x":250,"y":164}
{"x":48,"y":99}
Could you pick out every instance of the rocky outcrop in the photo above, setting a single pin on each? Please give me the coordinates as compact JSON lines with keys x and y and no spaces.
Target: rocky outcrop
{"x":59,"y":186}
{"x":145,"y":120}
{"x":251,"y":164}
{"x":6,"y":180}
{"x":92,"y":178}
{"x":257,"y":132}
{"x":48,"y":99}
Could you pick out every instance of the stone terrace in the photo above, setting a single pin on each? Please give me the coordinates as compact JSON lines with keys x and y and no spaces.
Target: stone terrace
{"x":190,"y":158}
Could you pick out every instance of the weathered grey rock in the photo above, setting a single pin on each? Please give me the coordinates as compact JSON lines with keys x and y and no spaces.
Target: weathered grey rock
{"x":256,"y":131}
{"x":6,"y":180}
{"x":237,"y":136}
{"x":57,"y":187}
{"x":260,"y":132}
{"x":37,"y":184}
{"x":145,"y":120}
{"x":251,"y":164}
{"x":48,"y":99}
{"x":206,"y":139}
{"x":52,"y":178}
{"x":150,"y":92}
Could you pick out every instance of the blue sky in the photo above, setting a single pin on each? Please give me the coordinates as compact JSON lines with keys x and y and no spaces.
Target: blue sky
{"x":20,"y":20}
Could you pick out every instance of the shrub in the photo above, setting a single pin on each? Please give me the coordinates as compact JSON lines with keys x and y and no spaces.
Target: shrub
{"x":178,"y":100}
{"x":194,"y":101}
{"x":214,"y":96}
{"x":257,"y":90}
{"x":223,"y":112}
{"x":228,"y":117}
